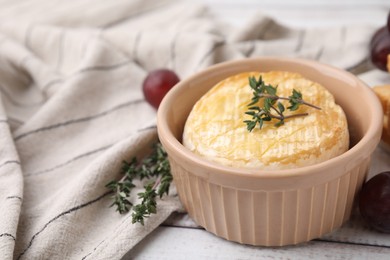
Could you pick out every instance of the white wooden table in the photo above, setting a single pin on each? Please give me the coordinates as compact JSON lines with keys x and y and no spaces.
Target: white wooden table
{"x":180,"y":238}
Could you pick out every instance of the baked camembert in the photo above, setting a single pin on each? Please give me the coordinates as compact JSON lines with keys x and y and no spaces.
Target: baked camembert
{"x":215,"y":129}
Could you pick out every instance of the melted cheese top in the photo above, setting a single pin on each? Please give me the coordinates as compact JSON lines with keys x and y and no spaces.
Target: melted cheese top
{"x":215,"y":128}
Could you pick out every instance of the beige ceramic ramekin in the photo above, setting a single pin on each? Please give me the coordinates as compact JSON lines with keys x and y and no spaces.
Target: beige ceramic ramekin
{"x":271,"y":208}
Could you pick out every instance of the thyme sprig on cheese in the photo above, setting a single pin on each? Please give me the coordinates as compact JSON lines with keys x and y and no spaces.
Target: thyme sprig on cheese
{"x":273,"y":108}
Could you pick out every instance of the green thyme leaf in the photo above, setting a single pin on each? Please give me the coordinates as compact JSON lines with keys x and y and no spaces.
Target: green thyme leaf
{"x":281,"y":107}
{"x":271,"y":108}
{"x":155,"y":168}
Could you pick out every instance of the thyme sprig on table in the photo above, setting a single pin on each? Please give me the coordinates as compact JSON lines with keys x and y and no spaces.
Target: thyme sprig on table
{"x":273,"y":108}
{"x":155,"y":168}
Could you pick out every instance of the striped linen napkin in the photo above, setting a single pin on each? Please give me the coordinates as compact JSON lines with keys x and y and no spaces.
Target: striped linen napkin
{"x":71,"y":108}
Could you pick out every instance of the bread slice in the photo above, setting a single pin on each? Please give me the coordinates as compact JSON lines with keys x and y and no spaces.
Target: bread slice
{"x":383,"y":93}
{"x":388,"y":62}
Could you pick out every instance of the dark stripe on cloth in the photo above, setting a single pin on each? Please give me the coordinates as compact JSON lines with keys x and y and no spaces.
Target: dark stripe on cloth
{"x":9,"y":162}
{"x":172,"y":50}
{"x":135,"y":47}
{"x":80,"y":156}
{"x":59,"y":216}
{"x":301,"y":37}
{"x":132,"y":16}
{"x":147,"y":128}
{"x":251,"y":49}
{"x":319,"y":53}
{"x":125,"y":220}
{"x":88,"y":69}
{"x":79,"y":120}
{"x":8,"y":235}
{"x":14,"y":197}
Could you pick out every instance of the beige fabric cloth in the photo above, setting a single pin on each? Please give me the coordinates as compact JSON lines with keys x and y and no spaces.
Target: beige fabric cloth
{"x":71,"y":108}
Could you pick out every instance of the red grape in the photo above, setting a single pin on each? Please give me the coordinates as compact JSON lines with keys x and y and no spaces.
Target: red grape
{"x":380,"y":48}
{"x":156,"y":84}
{"x":374,"y":202}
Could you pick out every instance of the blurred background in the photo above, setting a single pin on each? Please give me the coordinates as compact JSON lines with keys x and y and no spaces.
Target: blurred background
{"x":304,"y":13}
